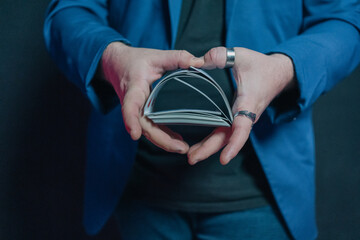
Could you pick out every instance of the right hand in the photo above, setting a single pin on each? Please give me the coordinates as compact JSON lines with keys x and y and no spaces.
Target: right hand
{"x":131,"y":71}
{"x":259,"y":78}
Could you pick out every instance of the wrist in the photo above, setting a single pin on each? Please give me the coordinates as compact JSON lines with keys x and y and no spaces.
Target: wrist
{"x":286,"y":70}
{"x":113,"y":48}
{"x":109,"y":59}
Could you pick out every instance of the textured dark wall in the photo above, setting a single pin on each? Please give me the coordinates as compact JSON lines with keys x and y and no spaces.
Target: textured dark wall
{"x":43,"y":121}
{"x":337,"y":134}
{"x":42,"y":134}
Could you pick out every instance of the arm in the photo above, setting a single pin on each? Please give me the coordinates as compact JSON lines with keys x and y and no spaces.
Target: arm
{"x":79,"y":38}
{"x":259,"y":78}
{"x":325,"y":52}
{"x":76,"y":34}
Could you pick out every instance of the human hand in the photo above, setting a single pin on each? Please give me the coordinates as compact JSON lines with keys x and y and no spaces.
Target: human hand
{"x":131,"y":71}
{"x":259,"y":78}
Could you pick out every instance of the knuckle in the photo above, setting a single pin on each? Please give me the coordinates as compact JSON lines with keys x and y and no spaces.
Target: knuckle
{"x":183,"y":54}
{"x":213,"y":53}
{"x":128,"y":114}
{"x":125,"y":107}
{"x":184,"y":58}
{"x":146,"y":134}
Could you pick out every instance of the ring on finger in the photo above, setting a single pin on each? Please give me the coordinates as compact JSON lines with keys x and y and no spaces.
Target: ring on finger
{"x":230,"y":57}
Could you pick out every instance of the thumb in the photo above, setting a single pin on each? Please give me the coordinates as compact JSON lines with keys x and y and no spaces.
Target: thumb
{"x":174,"y":59}
{"x":215,"y":58}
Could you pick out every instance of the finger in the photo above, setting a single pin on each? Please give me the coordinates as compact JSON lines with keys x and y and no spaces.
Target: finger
{"x":194,"y":147}
{"x":163,"y":137}
{"x":174,"y":59}
{"x":210,"y":145}
{"x":240,"y":133}
{"x":133,"y":102}
{"x":215,"y":58}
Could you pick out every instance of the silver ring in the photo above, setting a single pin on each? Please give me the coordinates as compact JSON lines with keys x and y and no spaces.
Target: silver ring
{"x":230,"y":58}
{"x":249,"y":115}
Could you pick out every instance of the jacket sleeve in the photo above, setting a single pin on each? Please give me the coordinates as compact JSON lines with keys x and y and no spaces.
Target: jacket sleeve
{"x":326,"y":51}
{"x":76,"y":34}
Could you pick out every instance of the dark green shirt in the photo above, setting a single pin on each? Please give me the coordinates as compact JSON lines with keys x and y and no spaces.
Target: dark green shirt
{"x":166,"y":179}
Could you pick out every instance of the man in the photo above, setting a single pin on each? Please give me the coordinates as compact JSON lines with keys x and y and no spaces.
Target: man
{"x":286,"y":55}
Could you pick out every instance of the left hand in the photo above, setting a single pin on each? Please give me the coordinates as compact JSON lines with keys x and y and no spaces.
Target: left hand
{"x":131,"y":71}
{"x":260,"y":78}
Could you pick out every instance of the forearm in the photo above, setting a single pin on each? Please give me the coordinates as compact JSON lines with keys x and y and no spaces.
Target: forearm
{"x":322,"y":56}
{"x":76,"y":38}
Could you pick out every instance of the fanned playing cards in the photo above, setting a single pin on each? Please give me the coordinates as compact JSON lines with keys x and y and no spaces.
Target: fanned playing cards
{"x":218,"y":114}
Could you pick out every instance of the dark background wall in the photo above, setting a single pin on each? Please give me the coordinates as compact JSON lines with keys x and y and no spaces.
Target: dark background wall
{"x":43,"y":121}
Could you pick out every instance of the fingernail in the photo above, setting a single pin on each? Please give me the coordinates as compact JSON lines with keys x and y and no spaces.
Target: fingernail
{"x":181,"y":151}
{"x":225,"y":161}
{"x":193,"y":162}
{"x":135,"y":134}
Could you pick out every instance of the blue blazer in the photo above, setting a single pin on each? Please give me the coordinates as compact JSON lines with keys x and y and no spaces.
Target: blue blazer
{"x":321,"y":37}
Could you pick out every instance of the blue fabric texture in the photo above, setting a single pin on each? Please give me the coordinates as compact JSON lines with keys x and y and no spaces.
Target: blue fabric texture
{"x":262,"y":223}
{"x":321,"y":37}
